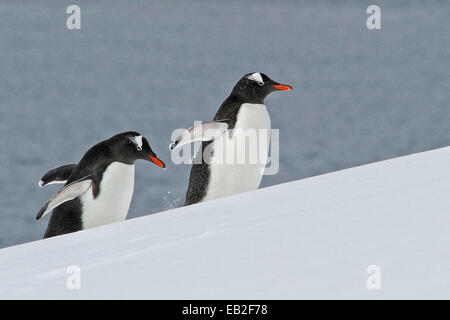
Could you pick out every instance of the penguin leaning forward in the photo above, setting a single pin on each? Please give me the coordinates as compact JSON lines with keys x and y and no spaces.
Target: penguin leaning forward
{"x":230,"y":160}
{"x":98,"y":190}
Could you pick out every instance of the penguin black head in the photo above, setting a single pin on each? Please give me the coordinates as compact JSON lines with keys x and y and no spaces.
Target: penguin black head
{"x":254,"y":87}
{"x":127,"y":147}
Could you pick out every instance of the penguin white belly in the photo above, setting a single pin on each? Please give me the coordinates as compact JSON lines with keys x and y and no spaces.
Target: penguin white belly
{"x":240,"y":155}
{"x":113,"y":201}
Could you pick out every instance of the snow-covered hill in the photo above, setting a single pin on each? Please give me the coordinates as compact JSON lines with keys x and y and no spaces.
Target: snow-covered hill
{"x":313,"y":238}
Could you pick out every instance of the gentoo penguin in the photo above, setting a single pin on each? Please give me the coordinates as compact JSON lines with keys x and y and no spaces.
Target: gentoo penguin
{"x":98,"y":190}
{"x":225,"y":165}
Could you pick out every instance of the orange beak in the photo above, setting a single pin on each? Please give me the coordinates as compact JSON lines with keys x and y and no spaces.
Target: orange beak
{"x":282,"y":87}
{"x":158,"y":162}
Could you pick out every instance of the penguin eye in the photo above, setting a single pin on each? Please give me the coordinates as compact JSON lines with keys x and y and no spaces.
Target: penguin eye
{"x":256,"y":77}
{"x":137,"y":141}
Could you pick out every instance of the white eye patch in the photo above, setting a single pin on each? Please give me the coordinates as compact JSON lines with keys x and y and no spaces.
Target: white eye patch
{"x":137,"y":140}
{"x":256,"y":77}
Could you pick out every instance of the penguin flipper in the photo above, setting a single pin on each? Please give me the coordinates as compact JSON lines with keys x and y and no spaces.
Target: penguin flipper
{"x":69,"y":192}
{"x":205,"y":131}
{"x":57,"y":175}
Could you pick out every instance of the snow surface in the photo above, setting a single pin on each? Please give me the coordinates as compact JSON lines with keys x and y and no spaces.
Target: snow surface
{"x":313,"y":238}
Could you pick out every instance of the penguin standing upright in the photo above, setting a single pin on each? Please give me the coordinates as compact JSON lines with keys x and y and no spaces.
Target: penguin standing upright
{"x":98,"y":190}
{"x":225,"y":164}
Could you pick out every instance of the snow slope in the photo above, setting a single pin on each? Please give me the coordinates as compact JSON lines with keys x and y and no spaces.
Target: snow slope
{"x":312,"y":238}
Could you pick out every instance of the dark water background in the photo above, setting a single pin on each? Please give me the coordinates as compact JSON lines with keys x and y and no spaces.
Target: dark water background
{"x":152,"y":66}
